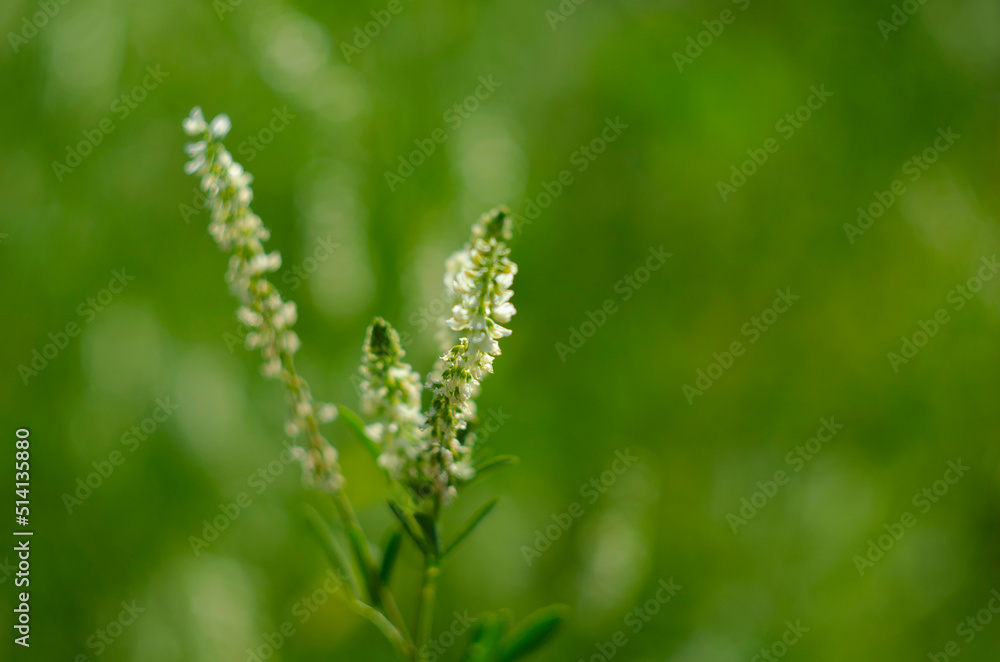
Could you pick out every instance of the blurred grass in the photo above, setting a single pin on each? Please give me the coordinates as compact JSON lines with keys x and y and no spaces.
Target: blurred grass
{"x":324,"y":175}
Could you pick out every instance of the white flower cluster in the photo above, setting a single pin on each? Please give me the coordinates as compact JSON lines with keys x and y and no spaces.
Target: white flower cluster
{"x":390,"y":394}
{"x":240,"y":232}
{"x":482,"y":281}
{"x":453,"y":265}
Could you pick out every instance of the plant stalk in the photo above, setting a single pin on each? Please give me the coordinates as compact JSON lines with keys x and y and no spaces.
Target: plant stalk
{"x":425,"y":607}
{"x":381,"y":594}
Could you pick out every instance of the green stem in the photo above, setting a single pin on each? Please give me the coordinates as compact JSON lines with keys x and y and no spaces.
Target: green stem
{"x":425,"y":607}
{"x":380,"y":593}
{"x":392,"y":611}
{"x":402,"y":646}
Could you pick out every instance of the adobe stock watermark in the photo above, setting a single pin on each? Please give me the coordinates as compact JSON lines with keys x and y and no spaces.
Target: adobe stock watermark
{"x":913,"y":168}
{"x":30,"y":26}
{"x":490,"y":424}
{"x":958,"y":296}
{"x":786,"y":127}
{"x":294,"y":279}
{"x":968,"y":629}
{"x":899,"y":17}
{"x":88,"y":310}
{"x":301,"y":272}
{"x":303,"y":610}
{"x":131,"y":440}
{"x":923,"y":501}
{"x":372,"y":29}
{"x":435,"y":648}
{"x":105,"y":637}
{"x":796,"y":460}
{"x":454,"y":117}
{"x":223,"y":7}
{"x":562,"y":12}
{"x":592,"y":490}
{"x":229,"y":512}
{"x":258,"y":142}
{"x":6,"y":570}
{"x":626,"y":288}
{"x":122,"y":107}
{"x":582,"y":158}
{"x":249,"y":148}
{"x":198,"y":200}
{"x":635,"y":621}
{"x":779,"y":648}
{"x":754,"y":329}
{"x":714,"y":28}
{"x":425,"y":317}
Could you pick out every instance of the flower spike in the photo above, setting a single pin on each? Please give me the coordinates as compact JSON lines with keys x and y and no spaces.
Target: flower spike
{"x":482,"y":282}
{"x":390,"y":393}
{"x":240,"y":232}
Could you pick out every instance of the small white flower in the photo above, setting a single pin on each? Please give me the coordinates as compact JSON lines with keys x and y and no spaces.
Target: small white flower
{"x":271,"y":369}
{"x":195,"y":165}
{"x":195,"y":122}
{"x":292,"y":344}
{"x":210,"y":183}
{"x":327,"y":413}
{"x":284,"y":316}
{"x":375,"y":431}
{"x":220,"y":126}
{"x":195,"y":148}
{"x":249,"y":317}
{"x":265,"y":262}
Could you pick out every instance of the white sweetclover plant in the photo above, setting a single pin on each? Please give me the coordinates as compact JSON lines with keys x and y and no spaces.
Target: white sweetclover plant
{"x":482,"y":288}
{"x":240,"y":232}
{"x":426,"y":453}
{"x":390,"y":395}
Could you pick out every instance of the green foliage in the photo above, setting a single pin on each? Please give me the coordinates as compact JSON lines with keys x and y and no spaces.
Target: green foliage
{"x":531,"y":633}
{"x":470,"y":524}
{"x":322,"y":180}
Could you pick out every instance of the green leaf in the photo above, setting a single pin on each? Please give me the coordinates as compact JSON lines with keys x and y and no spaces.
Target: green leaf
{"x":531,"y":633}
{"x":496,"y":462}
{"x":362,"y":554}
{"x":485,"y":639}
{"x":357,"y":426}
{"x":334,"y":551}
{"x":390,"y":555}
{"x":429,"y":528}
{"x":471,"y":524}
{"x":409,"y":525}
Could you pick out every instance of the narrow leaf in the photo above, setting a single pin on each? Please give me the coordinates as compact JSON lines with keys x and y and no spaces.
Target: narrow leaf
{"x":429,"y":528}
{"x":359,"y":545}
{"x":390,"y":555}
{"x":531,"y":633}
{"x":334,"y":551}
{"x":409,"y":525}
{"x":496,"y":462}
{"x":492,"y":464}
{"x":357,"y":426}
{"x":471,"y":524}
{"x":485,"y":639}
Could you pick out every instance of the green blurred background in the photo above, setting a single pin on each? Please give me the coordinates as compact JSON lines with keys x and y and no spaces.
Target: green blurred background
{"x":128,"y":205}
